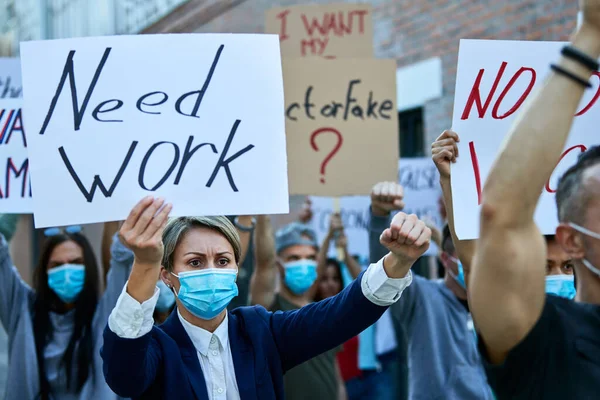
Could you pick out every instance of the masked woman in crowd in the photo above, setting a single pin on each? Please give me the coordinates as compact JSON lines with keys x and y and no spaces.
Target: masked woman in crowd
{"x":55,"y":328}
{"x":202,"y":350}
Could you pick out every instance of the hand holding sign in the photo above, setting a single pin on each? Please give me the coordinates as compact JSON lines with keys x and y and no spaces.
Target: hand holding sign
{"x":306,"y":212}
{"x":386,"y":197}
{"x":142,"y":231}
{"x":444,"y":151}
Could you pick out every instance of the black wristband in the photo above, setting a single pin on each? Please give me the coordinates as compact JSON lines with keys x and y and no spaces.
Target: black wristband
{"x":570,"y":75}
{"x":579,"y":56}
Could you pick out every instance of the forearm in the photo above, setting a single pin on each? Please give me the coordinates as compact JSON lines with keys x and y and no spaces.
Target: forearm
{"x":264,"y":242}
{"x":377,"y":224}
{"x":262,"y":283}
{"x":353,"y":266}
{"x":464,"y":248}
{"x":245,"y":234}
{"x":142,"y":281}
{"x":107,"y":234}
{"x":323,"y":251}
{"x":396,"y":267}
{"x":536,"y":140}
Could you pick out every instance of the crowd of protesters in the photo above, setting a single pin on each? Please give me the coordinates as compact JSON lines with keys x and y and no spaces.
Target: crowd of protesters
{"x":230,"y":307}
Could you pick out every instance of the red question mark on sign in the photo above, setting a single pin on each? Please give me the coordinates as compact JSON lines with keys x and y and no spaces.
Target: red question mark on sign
{"x":313,"y":144}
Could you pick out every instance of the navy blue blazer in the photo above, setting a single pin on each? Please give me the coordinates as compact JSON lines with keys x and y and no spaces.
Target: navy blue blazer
{"x":163,"y":364}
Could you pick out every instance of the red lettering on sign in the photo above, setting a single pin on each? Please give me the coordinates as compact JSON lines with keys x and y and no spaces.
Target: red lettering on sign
{"x":283,"y":17}
{"x":316,"y":46}
{"x":475,"y":96}
{"x":594,"y":99}
{"x":475,"y":163}
{"x":507,"y":88}
{"x":338,"y":23}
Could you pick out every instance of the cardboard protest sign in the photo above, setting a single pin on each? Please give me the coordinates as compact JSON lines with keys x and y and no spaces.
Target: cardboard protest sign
{"x":341,"y":124}
{"x":420,"y":180}
{"x":494,"y":79}
{"x":15,"y":190}
{"x":197,"y":119}
{"x":329,"y":31}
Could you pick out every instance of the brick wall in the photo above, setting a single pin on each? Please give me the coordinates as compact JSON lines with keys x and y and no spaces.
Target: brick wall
{"x":406,"y":30}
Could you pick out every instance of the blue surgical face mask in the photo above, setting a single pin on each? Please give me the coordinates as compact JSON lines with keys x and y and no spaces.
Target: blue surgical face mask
{"x":166,"y":298}
{"x":591,"y":234}
{"x":300,"y":275}
{"x":460,"y":278}
{"x":561,"y":285}
{"x":207,"y":292}
{"x":67,"y":281}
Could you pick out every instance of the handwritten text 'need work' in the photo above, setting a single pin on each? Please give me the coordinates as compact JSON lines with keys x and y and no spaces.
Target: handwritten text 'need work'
{"x":145,"y":104}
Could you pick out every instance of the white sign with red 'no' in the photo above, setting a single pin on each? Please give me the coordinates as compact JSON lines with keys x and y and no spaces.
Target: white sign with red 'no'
{"x":494,"y":79}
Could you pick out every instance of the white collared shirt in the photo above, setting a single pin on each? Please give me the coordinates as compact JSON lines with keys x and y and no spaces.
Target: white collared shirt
{"x":214,"y":354}
{"x":131,"y":320}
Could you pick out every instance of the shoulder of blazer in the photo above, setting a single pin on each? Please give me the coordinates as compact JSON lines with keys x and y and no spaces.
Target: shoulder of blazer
{"x":250,"y":314}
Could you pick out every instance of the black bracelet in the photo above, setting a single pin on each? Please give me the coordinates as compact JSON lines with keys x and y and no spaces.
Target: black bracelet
{"x":579,"y":56}
{"x":568,"y":74}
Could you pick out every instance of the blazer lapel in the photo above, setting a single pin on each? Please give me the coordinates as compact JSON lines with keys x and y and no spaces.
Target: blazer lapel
{"x":189,"y":355}
{"x":243,"y":360}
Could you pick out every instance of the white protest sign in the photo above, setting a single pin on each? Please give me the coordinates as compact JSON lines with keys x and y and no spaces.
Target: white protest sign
{"x":420,"y":180}
{"x":354,"y":211}
{"x":195,"y":118}
{"x":493,"y":80}
{"x":15,"y":190}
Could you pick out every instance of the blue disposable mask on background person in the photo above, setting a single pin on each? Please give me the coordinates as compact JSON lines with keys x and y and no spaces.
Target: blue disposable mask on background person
{"x":591,"y":234}
{"x":561,"y":285}
{"x":300,"y":275}
{"x":460,"y":278}
{"x":67,"y":281}
{"x":166,"y":298}
{"x":207,"y":292}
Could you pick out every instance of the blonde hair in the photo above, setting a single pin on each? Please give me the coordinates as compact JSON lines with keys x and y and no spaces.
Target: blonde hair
{"x":177,"y":227}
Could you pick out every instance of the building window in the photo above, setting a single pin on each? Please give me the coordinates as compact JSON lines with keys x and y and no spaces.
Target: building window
{"x":411,"y":132}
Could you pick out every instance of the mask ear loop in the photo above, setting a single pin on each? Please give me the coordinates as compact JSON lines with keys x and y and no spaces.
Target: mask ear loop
{"x":585,"y":231}
{"x":592,"y":234}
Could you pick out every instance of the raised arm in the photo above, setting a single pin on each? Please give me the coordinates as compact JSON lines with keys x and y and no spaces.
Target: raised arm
{"x":385,"y":198}
{"x":444,"y":151}
{"x":8,"y":225}
{"x":109,"y":229}
{"x":131,"y":356}
{"x":121,"y":262}
{"x":507,"y":277}
{"x":315,"y":328}
{"x":353,"y":266}
{"x":262,"y":282}
{"x":13,"y":291}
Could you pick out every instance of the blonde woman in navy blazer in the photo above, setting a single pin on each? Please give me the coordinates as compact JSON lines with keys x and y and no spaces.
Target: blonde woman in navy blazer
{"x":205,"y":352}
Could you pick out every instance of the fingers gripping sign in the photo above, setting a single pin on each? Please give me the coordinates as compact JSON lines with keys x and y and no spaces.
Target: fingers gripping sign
{"x":445,"y":151}
{"x":407,"y":239}
{"x":142,"y":230}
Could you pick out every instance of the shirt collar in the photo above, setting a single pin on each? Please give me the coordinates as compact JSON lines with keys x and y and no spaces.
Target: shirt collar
{"x":201,"y":338}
